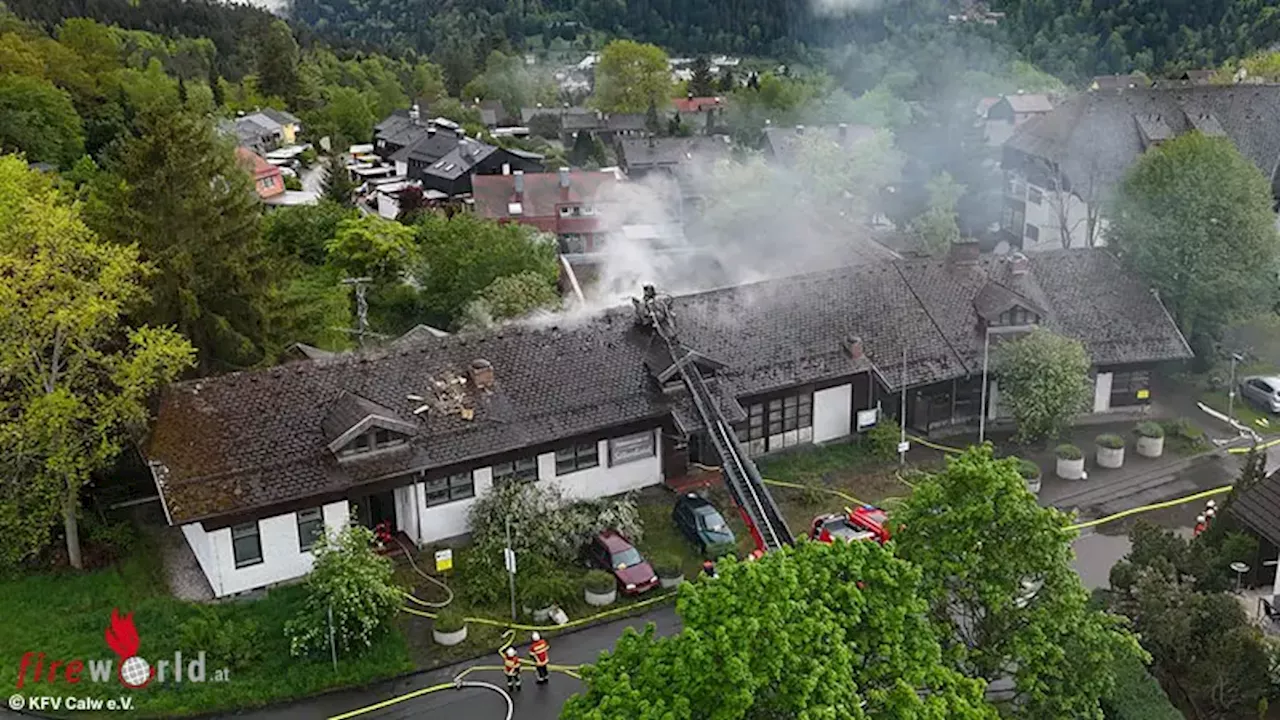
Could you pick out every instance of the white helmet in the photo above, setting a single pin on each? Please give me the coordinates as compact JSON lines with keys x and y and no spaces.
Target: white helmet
{"x":1211,"y":504}
{"x":536,"y":636}
{"x":1199,"y":518}
{"x":511,"y":652}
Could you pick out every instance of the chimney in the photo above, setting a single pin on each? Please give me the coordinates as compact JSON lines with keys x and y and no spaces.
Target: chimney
{"x":853,"y":346}
{"x":431,"y":129}
{"x":482,"y":374}
{"x":564,"y":177}
{"x":519,"y":175}
{"x":964,"y":253}
{"x":1019,"y":264}
{"x":415,"y":114}
{"x":843,"y":130}
{"x":799,"y":129}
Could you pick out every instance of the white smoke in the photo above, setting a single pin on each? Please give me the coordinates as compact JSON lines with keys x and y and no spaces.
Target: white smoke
{"x":841,"y":8}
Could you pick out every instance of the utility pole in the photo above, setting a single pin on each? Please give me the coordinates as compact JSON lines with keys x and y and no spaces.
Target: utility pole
{"x":362,"y":306}
{"x":902,"y":421}
{"x":1231,"y":391}
{"x":982,"y":408}
{"x":509,"y":559}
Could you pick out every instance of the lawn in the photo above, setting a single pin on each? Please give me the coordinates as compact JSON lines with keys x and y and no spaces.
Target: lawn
{"x":64,"y":615}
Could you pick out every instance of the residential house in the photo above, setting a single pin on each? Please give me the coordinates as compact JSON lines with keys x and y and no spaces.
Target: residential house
{"x":268,"y":180}
{"x":1258,"y":508}
{"x":609,"y":127}
{"x":691,"y":104}
{"x":567,"y":204}
{"x":1061,"y":167}
{"x":265,"y":130}
{"x":1120,"y":82}
{"x":439,"y":155}
{"x":1011,"y":111}
{"x":782,"y":143}
{"x":677,"y":161}
{"x":254,"y":466}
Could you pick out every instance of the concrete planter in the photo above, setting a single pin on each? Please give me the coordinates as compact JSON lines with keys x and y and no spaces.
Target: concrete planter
{"x":449,"y":638}
{"x":543,"y":615}
{"x":669,"y":582}
{"x":1150,"y":447}
{"x":1070,"y":469}
{"x":1033,"y":485}
{"x":596,"y":599}
{"x":1110,"y":457}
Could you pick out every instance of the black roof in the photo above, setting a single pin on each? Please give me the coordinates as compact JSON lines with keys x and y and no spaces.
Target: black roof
{"x":1096,"y":136}
{"x":782,"y":140}
{"x":1259,"y":508}
{"x":249,"y":440}
{"x":669,"y":152}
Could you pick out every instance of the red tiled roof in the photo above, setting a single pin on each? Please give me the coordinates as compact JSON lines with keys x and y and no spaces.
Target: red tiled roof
{"x":542,"y":192}
{"x":262,"y":170}
{"x":696,"y":104}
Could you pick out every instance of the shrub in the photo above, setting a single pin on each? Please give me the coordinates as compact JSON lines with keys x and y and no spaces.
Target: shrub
{"x":667,"y":565}
{"x":481,"y":576}
{"x":229,"y":642}
{"x":308,"y":157}
{"x":1068,"y":451}
{"x":1149,"y":430}
{"x":882,"y":441}
{"x":1110,"y":441}
{"x":1183,"y":434}
{"x":1028,"y":469}
{"x":449,"y":620}
{"x":546,"y":588}
{"x":599,"y":582}
{"x":292,"y":183}
{"x":357,"y":584}
{"x":115,"y":539}
{"x":1137,"y":695}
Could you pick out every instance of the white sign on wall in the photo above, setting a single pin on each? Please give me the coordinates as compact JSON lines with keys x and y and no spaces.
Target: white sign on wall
{"x":868,"y":418}
{"x":631,"y":448}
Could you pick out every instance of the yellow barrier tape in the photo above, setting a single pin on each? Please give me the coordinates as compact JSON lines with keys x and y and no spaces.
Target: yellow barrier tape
{"x":1263,"y":446}
{"x":802,"y":486}
{"x":1148,"y":508}
{"x":544,"y":628}
{"x":935,"y":446}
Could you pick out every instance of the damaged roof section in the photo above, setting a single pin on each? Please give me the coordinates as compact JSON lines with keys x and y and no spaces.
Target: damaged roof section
{"x":245,"y":441}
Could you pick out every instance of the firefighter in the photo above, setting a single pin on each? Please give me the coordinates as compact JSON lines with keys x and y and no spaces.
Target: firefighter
{"x":1200,"y":526}
{"x":709,"y":568}
{"x":538,"y":649}
{"x":511,"y":668}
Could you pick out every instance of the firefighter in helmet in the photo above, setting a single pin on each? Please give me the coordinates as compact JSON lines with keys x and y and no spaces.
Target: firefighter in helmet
{"x":538,"y":649}
{"x":511,"y":668}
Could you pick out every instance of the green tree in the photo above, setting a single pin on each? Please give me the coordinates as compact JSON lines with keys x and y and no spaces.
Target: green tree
{"x":814,"y":631}
{"x":355,"y":583}
{"x":304,"y":231}
{"x":464,"y":254}
{"x":312,"y":306}
{"x":508,"y":80}
{"x":338,"y":186}
{"x":178,"y":192}
{"x":703,"y":83}
{"x":510,"y":297}
{"x":373,"y":247}
{"x":1044,"y":381}
{"x":1003,"y":595}
{"x":630,"y":76}
{"x":936,"y":227}
{"x":277,"y":65}
{"x":1195,"y":220}
{"x":76,"y":376}
{"x":38,"y":119}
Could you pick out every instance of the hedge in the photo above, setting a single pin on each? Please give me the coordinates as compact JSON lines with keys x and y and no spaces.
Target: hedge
{"x":1137,"y":695}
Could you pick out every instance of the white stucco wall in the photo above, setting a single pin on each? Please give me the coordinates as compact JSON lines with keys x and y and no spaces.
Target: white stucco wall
{"x":406,"y":513}
{"x":450,"y":520}
{"x":1102,"y":393}
{"x":832,"y":413}
{"x":1055,"y":210}
{"x":281,"y":558}
{"x":603,"y":480}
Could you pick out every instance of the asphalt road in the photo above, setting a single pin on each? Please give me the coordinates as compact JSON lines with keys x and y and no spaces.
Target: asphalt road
{"x":533,"y":702}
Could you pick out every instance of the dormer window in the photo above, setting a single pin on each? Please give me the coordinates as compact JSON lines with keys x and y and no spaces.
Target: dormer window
{"x":1016,"y":316}
{"x":377,"y":439}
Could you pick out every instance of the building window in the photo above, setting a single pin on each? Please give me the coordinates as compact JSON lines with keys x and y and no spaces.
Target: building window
{"x":1034,"y":195}
{"x":378,"y":439}
{"x":310,"y":528}
{"x":578,"y":457}
{"x":1032,"y":233}
{"x":1017,"y":317}
{"x":246,"y":545}
{"x":383,"y":439}
{"x":779,"y":423}
{"x":573,"y":243}
{"x":522,"y":470}
{"x":1130,"y":388}
{"x":630,"y":448}
{"x":458,"y":486}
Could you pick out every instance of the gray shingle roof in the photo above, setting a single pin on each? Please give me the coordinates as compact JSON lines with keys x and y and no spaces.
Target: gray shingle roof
{"x":1099,"y":133}
{"x":253,"y":439}
{"x":783,"y":140}
{"x":1259,"y":508}
{"x":669,"y":152}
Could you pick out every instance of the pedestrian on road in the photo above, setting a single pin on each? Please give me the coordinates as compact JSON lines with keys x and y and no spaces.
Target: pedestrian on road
{"x":511,"y":668}
{"x":539,"y":649}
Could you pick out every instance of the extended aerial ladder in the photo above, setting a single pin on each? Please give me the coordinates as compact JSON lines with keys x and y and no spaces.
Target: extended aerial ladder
{"x":758,"y":509}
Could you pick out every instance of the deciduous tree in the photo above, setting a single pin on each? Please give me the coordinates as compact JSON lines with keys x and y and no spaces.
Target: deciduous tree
{"x":815,"y":631}
{"x":630,"y":76}
{"x":511,"y":297}
{"x":178,"y":192}
{"x":1043,"y":380}
{"x":373,"y":247}
{"x":936,"y":228}
{"x":76,"y":377}
{"x":38,"y":120}
{"x":1002,"y":593}
{"x":464,"y":254}
{"x":1194,"y":218}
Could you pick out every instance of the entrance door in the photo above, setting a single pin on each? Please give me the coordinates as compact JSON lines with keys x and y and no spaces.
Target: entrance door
{"x":376,"y":508}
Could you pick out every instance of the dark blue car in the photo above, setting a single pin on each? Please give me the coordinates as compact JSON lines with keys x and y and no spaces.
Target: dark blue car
{"x":699,"y":520}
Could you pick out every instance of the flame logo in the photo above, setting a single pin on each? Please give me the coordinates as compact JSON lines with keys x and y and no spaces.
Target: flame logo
{"x":121,"y":636}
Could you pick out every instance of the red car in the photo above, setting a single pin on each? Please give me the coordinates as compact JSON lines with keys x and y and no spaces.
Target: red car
{"x":862,"y":523}
{"x":614,"y":553}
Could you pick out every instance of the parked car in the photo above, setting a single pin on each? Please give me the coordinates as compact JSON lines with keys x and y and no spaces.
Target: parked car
{"x":1262,"y":391}
{"x":701,"y":523}
{"x":611,"y":551}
